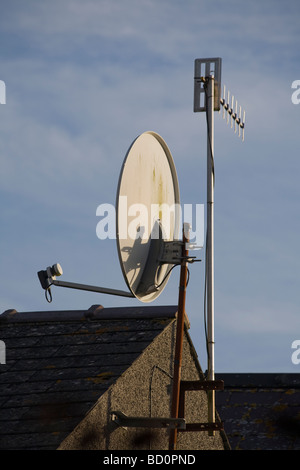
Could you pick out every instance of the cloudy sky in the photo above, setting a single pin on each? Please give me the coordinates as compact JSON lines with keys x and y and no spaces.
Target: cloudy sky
{"x":83,"y":80}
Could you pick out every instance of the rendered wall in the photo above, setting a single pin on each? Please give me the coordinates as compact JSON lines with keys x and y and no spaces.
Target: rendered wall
{"x":144,"y":390}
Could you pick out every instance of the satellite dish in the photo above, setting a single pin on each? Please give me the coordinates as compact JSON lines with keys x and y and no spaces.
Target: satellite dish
{"x":148,"y":218}
{"x":147,"y":215}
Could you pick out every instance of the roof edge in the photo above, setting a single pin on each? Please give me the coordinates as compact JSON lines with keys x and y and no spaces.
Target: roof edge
{"x":95,"y":312}
{"x":260,"y":380}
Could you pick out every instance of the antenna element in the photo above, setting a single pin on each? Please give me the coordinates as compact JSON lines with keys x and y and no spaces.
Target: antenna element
{"x":232,"y":111}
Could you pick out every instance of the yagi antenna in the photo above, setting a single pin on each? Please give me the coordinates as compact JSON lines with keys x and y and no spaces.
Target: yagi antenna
{"x":205,"y":68}
{"x":207,"y":98}
{"x":234,"y":112}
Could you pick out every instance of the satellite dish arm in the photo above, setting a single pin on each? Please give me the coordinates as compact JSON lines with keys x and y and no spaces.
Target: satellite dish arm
{"x":48,"y":278}
{"x":101,"y":290}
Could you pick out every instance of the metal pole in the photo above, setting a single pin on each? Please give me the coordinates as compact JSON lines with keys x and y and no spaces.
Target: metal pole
{"x":210,"y":245}
{"x":101,"y":290}
{"x":179,"y":338}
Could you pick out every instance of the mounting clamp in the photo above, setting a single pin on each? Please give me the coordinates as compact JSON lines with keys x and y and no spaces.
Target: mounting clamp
{"x":171,"y":252}
{"x":205,"y":68}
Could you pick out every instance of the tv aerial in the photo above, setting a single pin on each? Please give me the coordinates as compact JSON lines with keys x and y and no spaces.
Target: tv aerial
{"x":207,"y":98}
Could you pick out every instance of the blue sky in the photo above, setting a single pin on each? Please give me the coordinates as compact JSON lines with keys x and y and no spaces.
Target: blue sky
{"x":83,"y":79}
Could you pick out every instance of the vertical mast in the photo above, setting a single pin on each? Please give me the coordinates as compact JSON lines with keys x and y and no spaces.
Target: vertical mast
{"x":207,"y":98}
{"x":207,"y":87}
{"x":210,"y":242}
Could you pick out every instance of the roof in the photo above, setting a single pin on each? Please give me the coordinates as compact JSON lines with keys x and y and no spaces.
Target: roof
{"x":261,"y":411}
{"x":58,"y":363}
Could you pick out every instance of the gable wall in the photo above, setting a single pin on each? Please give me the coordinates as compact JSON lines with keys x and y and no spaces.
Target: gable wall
{"x":144,"y":390}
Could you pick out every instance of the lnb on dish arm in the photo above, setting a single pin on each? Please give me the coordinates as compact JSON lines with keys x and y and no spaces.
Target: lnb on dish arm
{"x":47,"y":276}
{"x":47,"y":279}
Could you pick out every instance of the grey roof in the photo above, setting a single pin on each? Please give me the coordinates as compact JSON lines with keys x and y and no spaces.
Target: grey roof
{"x":59,"y":363}
{"x":261,"y":411}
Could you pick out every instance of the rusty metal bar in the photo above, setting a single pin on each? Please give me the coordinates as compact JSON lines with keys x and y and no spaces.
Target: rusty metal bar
{"x":211,"y":427}
{"x":201,"y":385}
{"x":179,"y":337}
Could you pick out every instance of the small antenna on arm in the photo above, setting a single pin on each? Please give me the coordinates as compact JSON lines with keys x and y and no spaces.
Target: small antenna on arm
{"x":235,"y":117}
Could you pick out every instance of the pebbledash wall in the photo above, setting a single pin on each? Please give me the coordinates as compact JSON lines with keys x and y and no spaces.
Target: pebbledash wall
{"x":145,"y":390}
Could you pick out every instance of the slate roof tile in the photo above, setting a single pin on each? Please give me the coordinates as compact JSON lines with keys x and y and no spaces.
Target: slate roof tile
{"x":261,"y":411}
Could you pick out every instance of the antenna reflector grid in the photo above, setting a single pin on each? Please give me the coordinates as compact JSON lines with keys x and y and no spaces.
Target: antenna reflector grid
{"x":205,"y":68}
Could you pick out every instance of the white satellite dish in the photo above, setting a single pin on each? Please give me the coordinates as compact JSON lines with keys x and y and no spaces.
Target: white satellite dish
{"x":147,"y":211}
{"x":148,"y":193}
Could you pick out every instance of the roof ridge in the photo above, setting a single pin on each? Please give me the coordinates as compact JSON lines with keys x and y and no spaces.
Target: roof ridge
{"x":95,"y":312}
{"x":260,"y":379}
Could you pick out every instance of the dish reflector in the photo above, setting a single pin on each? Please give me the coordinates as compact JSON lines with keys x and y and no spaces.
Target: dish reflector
{"x":147,"y":213}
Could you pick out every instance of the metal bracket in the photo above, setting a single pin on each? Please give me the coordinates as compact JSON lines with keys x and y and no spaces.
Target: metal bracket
{"x":124,"y":421}
{"x":204,"y":68}
{"x":192,"y":427}
{"x":201,"y":385}
{"x":206,"y":385}
{"x":171,"y":252}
